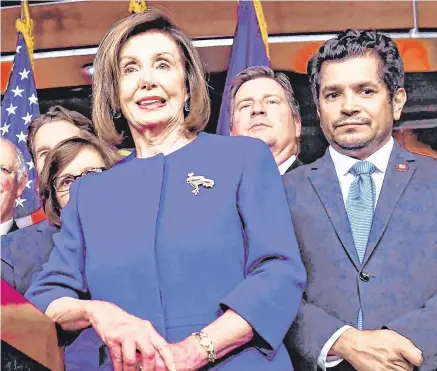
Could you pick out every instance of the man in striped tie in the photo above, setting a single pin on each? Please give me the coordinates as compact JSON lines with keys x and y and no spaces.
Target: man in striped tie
{"x":365,"y":219}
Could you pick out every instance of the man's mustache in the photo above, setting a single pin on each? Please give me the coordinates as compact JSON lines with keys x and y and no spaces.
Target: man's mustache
{"x":343,"y":119}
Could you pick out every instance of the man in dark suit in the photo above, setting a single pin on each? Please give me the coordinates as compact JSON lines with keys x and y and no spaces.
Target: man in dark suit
{"x":365,"y":219}
{"x":262,"y":105}
{"x":13,"y":178}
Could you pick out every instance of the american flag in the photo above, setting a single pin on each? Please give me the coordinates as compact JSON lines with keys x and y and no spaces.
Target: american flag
{"x":19,"y":106}
{"x":248,"y":49}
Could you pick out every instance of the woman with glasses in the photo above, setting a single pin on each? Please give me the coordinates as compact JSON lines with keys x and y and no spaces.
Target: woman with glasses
{"x":71,"y":159}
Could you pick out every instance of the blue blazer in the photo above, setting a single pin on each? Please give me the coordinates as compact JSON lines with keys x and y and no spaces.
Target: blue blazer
{"x":180,"y":259}
{"x":24,"y":251}
{"x":397,"y":283}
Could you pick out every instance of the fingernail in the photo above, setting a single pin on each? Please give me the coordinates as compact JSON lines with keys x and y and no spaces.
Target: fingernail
{"x":419,"y":350}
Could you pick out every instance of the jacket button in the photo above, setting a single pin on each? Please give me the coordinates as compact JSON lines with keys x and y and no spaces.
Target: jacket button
{"x":365,"y":277}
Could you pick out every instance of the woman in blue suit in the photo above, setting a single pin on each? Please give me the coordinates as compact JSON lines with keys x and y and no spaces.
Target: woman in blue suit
{"x":198,"y":267}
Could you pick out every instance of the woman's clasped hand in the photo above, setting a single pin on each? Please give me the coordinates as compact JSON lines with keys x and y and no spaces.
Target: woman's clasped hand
{"x":132,"y":342}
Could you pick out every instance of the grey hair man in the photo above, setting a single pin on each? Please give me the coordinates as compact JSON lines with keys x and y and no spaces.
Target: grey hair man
{"x":262,"y":105}
{"x":13,"y":179}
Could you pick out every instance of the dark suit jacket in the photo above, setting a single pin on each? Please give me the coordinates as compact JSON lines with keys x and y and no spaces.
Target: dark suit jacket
{"x":294,"y":165}
{"x":401,"y":258}
{"x":24,"y":251}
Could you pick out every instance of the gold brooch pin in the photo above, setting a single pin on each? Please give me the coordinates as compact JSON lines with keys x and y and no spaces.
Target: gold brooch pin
{"x":198,"y":180}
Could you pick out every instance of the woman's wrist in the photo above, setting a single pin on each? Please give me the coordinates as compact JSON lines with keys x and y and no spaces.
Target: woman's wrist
{"x":195,"y":352}
{"x":72,"y":314}
{"x":88,"y":306}
{"x":205,"y":342}
{"x":188,"y":354}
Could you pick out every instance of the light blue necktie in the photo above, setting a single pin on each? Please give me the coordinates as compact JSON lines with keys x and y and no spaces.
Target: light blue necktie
{"x":360,"y":206}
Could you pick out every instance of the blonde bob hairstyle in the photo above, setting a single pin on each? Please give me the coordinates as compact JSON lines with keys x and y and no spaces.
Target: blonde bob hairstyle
{"x":106,"y":101}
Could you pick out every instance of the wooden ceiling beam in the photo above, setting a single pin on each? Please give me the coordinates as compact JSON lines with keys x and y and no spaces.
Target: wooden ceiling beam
{"x":419,"y":55}
{"x":84,"y":23}
{"x":78,"y":24}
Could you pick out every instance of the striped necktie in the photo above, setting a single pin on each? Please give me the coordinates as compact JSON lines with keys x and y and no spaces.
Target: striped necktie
{"x":360,"y":206}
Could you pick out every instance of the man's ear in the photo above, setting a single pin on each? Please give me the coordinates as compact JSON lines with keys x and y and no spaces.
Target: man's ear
{"x":21,"y":185}
{"x":399,"y":100}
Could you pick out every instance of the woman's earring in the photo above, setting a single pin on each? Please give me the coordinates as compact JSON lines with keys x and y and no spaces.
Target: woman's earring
{"x":187,"y":105}
{"x":116,"y":114}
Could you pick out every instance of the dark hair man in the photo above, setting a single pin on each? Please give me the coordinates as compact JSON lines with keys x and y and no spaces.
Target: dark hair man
{"x":51,"y":128}
{"x":365,"y":220}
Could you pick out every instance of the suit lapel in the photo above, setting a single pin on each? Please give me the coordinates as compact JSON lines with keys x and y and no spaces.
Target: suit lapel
{"x":296,"y":163}
{"x":325,"y":182}
{"x":400,"y":169}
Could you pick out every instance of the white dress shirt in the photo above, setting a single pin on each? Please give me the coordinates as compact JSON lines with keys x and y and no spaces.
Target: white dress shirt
{"x":6,"y":227}
{"x":286,"y":164}
{"x":342,"y":165}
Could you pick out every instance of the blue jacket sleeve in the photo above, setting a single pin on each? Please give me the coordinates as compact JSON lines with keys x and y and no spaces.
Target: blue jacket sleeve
{"x":63,"y":274}
{"x":270,"y":295}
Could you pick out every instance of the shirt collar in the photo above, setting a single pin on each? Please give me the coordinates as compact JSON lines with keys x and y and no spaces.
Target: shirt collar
{"x":6,"y":226}
{"x":286,"y":164}
{"x":379,"y":158}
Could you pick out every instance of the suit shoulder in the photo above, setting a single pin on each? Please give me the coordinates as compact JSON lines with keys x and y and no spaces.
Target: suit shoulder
{"x":237,"y":142}
{"x":297,"y":175}
{"x":26,"y":232}
{"x":427,"y":167}
{"x":426,"y":161}
{"x":33,"y":240}
{"x":233,"y":147}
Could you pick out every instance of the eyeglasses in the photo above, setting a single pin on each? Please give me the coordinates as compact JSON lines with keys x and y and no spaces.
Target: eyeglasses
{"x":62,"y":184}
{"x":6,"y":171}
